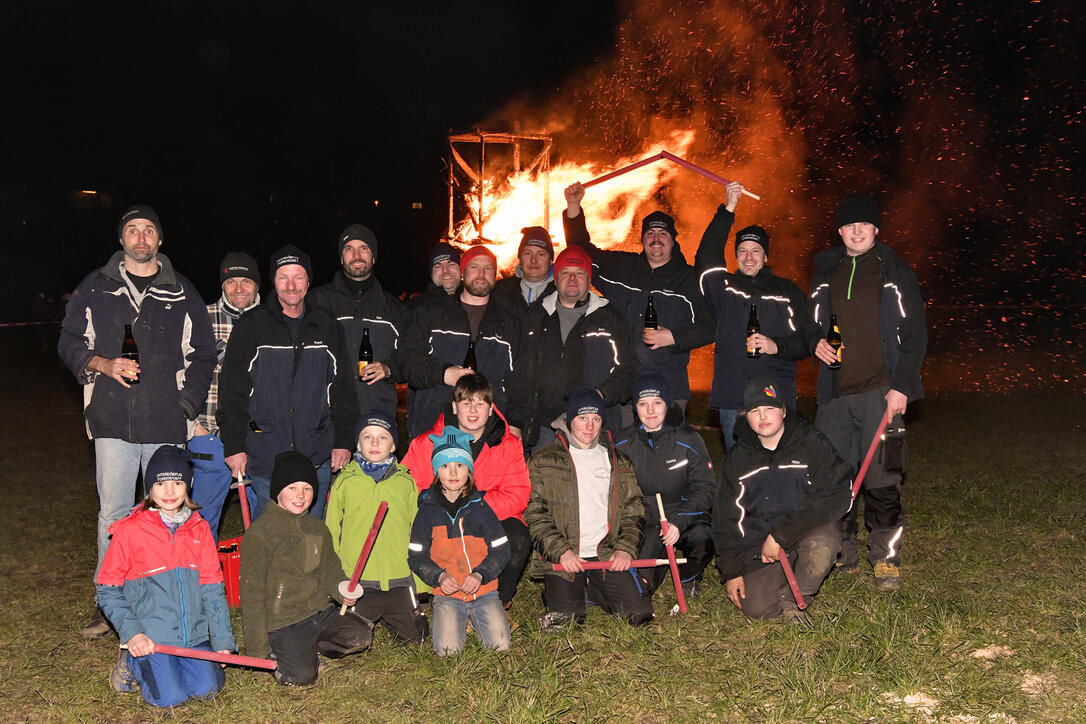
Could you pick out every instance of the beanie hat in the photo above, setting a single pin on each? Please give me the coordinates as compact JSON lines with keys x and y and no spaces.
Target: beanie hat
{"x":536,"y":236}
{"x":443,"y":252}
{"x":584,"y":401}
{"x":453,"y":445}
{"x":760,"y":392}
{"x":659,"y":220}
{"x":753,"y":233}
{"x":139,"y":211}
{"x":475,"y":251}
{"x":858,"y":208}
{"x":378,"y":418}
{"x":238,"y":264}
{"x":168,"y":463}
{"x":291,"y":467}
{"x":651,"y":384}
{"x":291,"y":254}
{"x":362,"y":233}
{"x":574,"y":256}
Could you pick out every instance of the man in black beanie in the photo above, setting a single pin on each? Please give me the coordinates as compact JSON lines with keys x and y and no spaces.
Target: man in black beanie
{"x":880,"y":313}
{"x":287,"y":384}
{"x":444,"y":266}
{"x":366,"y":312}
{"x":534,"y":276}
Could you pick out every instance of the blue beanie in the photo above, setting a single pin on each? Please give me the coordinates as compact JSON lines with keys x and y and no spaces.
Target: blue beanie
{"x":378,"y":418}
{"x":585,"y":401}
{"x":651,"y":384}
{"x":453,"y":445}
{"x":168,"y":463}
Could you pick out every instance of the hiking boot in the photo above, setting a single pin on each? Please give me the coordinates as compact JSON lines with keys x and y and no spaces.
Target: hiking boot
{"x":121,"y":678}
{"x":691,"y":589}
{"x":792,"y":616}
{"x":554,"y":620}
{"x":97,"y":627}
{"x":887,"y":577}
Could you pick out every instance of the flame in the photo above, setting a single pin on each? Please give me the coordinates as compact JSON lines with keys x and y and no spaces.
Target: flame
{"x":610,"y":209}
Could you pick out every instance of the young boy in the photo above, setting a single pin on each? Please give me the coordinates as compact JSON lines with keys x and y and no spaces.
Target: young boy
{"x":289,"y":576}
{"x":371,"y":477}
{"x":783,"y":488}
{"x":586,"y":506}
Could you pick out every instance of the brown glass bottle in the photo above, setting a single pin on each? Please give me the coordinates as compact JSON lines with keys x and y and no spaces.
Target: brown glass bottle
{"x":753,"y":327}
{"x":469,"y":358}
{"x":833,"y":339}
{"x":130,"y":351}
{"x":651,"y":320}
{"x":365,"y":351}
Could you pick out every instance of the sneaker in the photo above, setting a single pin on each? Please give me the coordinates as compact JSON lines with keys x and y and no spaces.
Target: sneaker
{"x":887,"y":577}
{"x":792,"y":616}
{"x":691,"y":589}
{"x":554,"y":620}
{"x":121,"y":678}
{"x":97,"y":627}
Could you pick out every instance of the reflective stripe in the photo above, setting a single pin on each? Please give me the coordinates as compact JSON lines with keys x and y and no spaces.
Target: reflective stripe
{"x":900,"y":304}
{"x":678,"y":465}
{"x":499,"y":541}
{"x":893,"y":542}
{"x":417,"y":547}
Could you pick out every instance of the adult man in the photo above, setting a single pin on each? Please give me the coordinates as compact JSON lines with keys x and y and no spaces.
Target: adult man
{"x":286,"y":385}
{"x":880,"y":312}
{"x":779,"y":304}
{"x":134,"y":407}
{"x":356,"y":299}
{"x":534,"y":277}
{"x":659,"y":273}
{"x":782,"y":490}
{"x":444,"y":276}
{"x":575,"y":337}
{"x":434,"y":350}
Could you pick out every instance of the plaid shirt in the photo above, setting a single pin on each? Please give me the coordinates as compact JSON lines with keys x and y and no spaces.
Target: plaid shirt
{"x":223,"y":317}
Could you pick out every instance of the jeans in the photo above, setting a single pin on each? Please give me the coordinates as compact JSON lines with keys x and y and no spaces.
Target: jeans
{"x":727,"y":426}
{"x":450,"y":623}
{"x":117,"y":465}
{"x":167,"y":680}
{"x":258,"y":490}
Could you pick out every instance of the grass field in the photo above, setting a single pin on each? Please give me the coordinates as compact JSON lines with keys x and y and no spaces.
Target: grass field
{"x":989,"y":625}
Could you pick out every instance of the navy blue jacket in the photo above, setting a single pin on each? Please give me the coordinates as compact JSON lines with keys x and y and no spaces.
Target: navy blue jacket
{"x":176,"y":347}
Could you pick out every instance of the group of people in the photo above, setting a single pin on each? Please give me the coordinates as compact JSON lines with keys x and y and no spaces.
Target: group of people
{"x":546,"y":413}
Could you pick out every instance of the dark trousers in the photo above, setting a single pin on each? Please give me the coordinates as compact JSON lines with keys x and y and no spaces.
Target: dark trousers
{"x":397,"y":610}
{"x":850,"y":422}
{"x":811,"y":557}
{"x":295,"y":647}
{"x":695,"y":544}
{"x":615,"y":591}
{"x":520,"y":548}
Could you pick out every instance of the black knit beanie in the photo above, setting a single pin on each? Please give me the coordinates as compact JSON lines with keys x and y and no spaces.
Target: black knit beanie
{"x":659,"y":220}
{"x":753,"y":233}
{"x":858,"y":208}
{"x":291,"y":467}
{"x":291,"y":254}
{"x":139,"y":211}
{"x":536,"y":236}
{"x":238,"y":264}
{"x":360,"y":232}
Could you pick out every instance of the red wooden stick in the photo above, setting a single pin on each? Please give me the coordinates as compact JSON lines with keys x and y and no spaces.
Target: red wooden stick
{"x":870,"y":453}
{"x":792,"y":583}
{"x":624,"y":169}
{"x":234,"y":659}
{"x":246,"y":514}
{"x":671,"y":558}
{"x":707,"y":174}
{"x":366,"y":548}
{"x":636,"y":563}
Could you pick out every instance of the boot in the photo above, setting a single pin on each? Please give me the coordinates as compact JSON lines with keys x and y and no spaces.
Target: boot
{"x":97,"y":627}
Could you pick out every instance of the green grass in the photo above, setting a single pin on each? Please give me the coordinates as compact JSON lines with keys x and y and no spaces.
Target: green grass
{"x":993,"y":557}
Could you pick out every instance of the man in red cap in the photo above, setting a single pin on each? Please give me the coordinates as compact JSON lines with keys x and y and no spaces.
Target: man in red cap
{"x":575,"y":337}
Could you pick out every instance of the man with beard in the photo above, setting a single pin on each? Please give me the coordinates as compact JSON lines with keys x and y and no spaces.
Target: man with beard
{"x":534,"y":277}
{"x":658,"y":273}
{"x":134,"y":407}
{"x":356,"y":299}
{"x":449,"y":332}
{"x":444,"y":276}
{"x":781,"y":309}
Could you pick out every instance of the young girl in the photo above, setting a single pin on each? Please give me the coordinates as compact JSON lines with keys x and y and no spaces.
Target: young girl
{"x":160,"y":582}
{"x":371,"y":478}
{"x":458,"y":547}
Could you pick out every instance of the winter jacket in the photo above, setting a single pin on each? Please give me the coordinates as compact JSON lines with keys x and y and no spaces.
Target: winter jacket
{"x":438,"y":339}
{"x":508,"y":290}
{"x":276,"y":396}
{"x":626,"y":278}
{"x":784,"y":493}
{"x":472,"y":541}
{"x":177,"y":353}
{"x":553,"y":514}
{"x":902,"y":323}
{"x":289,"y":571}
{"x":673,"y":462}
{"x":782,"y":312}
{"x":431,"y":293}
{"x":166,"y":585}
{"x":500,"y":470}
{"x":598,"y":352}
{"x":349,"y":516}
{"x":386,"y":319}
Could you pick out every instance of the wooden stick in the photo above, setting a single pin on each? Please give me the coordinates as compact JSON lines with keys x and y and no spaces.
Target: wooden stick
{"x":792,"y":583}
{"x":366,"y":548}
{"x":246,"y":514}
{"x":624,"y":169}
{"x":235,"y":659}
{"x":870,"y":453}
{"x":636,"y":563}
{"x":671,"y":558}
{"x":706,"y":173}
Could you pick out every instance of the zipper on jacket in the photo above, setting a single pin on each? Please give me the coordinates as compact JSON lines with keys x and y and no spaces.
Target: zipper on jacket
{"x":181,"y":591}
{"x":851,"y":274}
{"x":464,"y":548}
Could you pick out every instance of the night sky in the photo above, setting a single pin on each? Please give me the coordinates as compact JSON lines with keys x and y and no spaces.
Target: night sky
{"x":250,"y":125}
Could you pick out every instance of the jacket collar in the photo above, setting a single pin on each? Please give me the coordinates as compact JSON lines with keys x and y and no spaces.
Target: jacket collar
{"x":232,"y":311}
{"x":166,"y":278}
{"x":827,"y":260}
{"x":595,"y":301}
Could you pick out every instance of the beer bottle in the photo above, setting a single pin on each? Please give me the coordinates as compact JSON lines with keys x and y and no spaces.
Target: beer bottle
{"x":753,"y":327}
{"x":469,"y":358}
{"x":651,"y":321}
{"x":365,"y":351}
{"x":833,"y":339}
{"x":130,"y":351}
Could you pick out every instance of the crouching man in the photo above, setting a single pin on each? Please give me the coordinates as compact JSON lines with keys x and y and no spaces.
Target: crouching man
{"x":782,"y":490}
